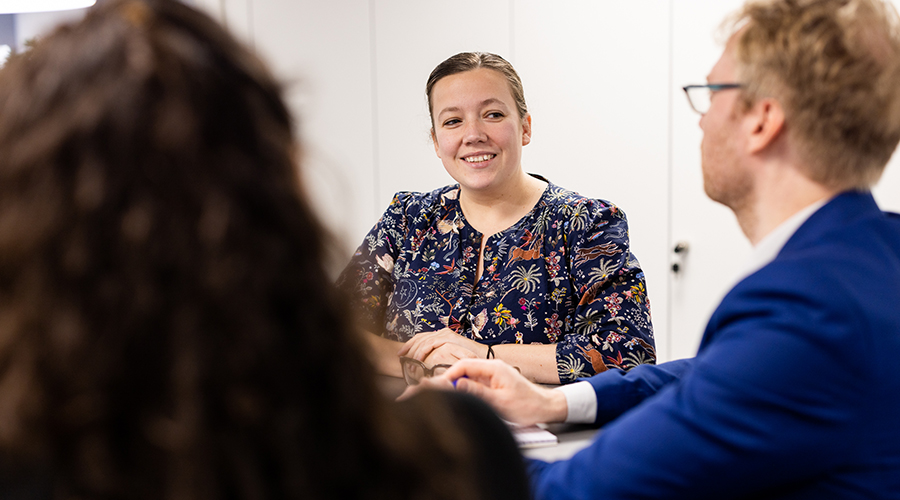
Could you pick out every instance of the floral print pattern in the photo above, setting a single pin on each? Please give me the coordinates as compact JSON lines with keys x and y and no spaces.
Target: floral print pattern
{"x":563,"y":274}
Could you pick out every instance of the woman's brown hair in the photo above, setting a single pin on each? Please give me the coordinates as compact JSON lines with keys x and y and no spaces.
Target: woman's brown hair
{"x":468,"y":61}
{"x":167,"y":328}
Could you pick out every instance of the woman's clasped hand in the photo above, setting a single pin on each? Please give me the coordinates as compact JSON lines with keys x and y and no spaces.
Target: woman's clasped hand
{"x":442,"y":346}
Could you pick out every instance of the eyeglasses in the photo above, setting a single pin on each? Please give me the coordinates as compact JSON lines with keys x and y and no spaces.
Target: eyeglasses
{"x":414,"y":370}
{"x":700,"y":96}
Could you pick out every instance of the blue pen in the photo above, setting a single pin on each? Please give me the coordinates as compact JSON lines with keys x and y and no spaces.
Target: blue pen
{"x":455,"y":381}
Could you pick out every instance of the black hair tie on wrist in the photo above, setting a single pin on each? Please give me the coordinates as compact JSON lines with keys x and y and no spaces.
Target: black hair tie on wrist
{"x":490,"y":353}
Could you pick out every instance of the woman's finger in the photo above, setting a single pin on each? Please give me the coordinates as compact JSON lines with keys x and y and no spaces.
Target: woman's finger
{"x":447,"y":353}
{"x":413,"y":343}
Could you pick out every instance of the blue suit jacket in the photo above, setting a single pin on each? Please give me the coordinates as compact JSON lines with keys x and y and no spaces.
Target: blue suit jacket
{"x":794,"y":393}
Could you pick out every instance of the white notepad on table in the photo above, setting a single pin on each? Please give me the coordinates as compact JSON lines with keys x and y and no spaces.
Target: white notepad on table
{"x":532,"y":436}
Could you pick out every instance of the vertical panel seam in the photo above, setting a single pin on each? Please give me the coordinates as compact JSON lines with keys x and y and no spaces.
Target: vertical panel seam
{"x":670,"y":281}
{"x":512,"y":31}
{"x":373,"y":70}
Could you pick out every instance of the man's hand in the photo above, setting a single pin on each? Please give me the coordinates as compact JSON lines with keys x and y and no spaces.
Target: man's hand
{"x":439,"y":383}
{"x":506,"y":390}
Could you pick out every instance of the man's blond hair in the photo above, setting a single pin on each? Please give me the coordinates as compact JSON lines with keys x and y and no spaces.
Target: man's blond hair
{"x":834,"y":65}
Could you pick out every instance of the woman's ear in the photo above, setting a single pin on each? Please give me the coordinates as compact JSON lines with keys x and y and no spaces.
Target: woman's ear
{"x":526,"y":129}
{"x":435,"y":143}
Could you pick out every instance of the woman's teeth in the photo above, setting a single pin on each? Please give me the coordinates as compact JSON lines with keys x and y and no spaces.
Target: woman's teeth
{"x":478,"y":159}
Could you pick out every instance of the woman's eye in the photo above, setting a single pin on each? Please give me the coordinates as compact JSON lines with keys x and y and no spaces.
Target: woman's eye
{"x":451,"y":122}
{"x":495,"y":114}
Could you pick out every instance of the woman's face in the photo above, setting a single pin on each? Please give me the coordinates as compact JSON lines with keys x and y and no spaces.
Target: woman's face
{"x":478,"y":134}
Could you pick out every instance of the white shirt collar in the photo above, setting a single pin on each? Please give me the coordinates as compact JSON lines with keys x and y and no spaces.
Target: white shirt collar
{"x":767,"y":248}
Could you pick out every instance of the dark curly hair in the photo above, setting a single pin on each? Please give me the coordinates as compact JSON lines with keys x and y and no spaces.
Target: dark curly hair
{"x":167,"y":328}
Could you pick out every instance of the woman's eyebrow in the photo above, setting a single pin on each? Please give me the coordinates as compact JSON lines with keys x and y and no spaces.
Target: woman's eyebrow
{"x":486,"y":102}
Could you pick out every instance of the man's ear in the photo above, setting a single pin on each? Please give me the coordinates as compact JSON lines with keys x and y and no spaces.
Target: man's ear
{"x":526,"y":129}
{"x":766,"y":122}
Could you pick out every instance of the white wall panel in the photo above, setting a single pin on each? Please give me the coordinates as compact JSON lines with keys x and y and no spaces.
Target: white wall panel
{"x":718,"y":249}
{"x":322,"y":51}
{"x":602,"y":80}
{"x":411,"y":38}
{"x":596,"y":78}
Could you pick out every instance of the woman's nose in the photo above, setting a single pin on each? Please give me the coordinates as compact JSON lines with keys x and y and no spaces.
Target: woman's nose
{"x":474,"y":132}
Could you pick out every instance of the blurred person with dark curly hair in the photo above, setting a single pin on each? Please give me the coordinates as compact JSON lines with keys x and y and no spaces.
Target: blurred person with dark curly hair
{"x":163,"y":296}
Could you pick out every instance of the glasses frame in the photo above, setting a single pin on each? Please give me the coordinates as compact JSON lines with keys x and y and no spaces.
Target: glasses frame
{"x":711,"y":87}
{"x":428,"y":372}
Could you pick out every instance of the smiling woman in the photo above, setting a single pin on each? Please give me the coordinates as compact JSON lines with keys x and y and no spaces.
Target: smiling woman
{"x":503,"y":263}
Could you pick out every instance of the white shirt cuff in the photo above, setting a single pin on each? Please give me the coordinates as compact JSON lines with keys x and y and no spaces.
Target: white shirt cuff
{"x":581,"y":401}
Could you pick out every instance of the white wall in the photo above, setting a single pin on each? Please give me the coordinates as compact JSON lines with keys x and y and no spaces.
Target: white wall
{"x":602,"y":80}
{"x":717,"y":248}
{"x":596,"y":76}
{"x":597,"y":88}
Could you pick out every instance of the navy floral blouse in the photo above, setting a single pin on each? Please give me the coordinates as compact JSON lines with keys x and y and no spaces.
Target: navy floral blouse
{"x":563,"y":274}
